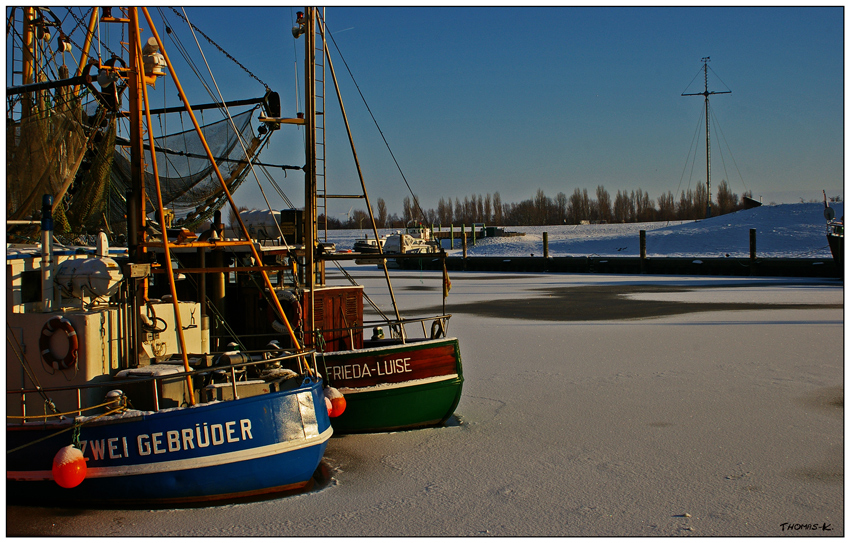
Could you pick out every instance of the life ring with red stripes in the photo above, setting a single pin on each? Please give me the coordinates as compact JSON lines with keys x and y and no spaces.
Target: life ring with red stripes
{"x":59,"y":323}
{"x":286,"y":298}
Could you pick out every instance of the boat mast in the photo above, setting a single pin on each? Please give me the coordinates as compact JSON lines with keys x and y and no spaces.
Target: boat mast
{"x":310,"y":185}
{"x":28,"y":60}
{"x":706,"y":93}
{"x":365,"y":194}
{"x":136,"y":198}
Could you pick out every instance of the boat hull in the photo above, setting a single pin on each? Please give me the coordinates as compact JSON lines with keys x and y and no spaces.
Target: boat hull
{"x":396,"y":386}
{"x":270,"y":443}
{"x":836,"y":247}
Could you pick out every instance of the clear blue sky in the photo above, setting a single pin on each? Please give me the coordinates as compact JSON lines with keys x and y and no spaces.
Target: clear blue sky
{"x":477,"y":100}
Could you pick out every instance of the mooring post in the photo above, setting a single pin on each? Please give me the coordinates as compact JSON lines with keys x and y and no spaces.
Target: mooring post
{"x":752,"y":244}
{"x":545,"y":244}
{"x":452,"y":235}
{"x":752,"y":251}
{"x":463,"y":238}
{"x":642,"y":251}
{"x":473,"y":233}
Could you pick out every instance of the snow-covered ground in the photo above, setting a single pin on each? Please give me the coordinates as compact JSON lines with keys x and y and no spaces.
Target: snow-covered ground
{"x":713,"y":420}
{"x":782,"y":231}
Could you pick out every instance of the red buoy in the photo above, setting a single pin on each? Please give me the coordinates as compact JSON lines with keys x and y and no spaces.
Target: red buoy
{"x":337,"y":401}
{"x":69,"y":467}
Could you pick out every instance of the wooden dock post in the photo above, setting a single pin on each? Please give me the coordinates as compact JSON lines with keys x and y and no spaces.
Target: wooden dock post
{"x":752,"y":251}
{"x":463,"y":237}
{"x":452,"y":236}
{"x":752,"y":244}
{"x":545,"y":244}
{"x":643,"y":251}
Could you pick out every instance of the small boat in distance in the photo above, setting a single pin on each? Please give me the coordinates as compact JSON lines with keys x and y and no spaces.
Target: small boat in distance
{"x":413,"y":240}
{"x":834,"y":233}
{"x":368,"y":246}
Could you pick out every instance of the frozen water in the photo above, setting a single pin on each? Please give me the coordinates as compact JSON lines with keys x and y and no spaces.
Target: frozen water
{"x":724,"y":419}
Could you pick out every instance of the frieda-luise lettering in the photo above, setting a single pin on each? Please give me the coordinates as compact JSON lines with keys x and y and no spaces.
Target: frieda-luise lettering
{"x":380,"y":367}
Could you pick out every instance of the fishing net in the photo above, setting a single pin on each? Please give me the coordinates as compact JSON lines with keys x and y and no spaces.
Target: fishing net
{"x":43,"y":151}
{"x":190,"y":187}
{"x":89,"y":194}
{"x":60,"y":144}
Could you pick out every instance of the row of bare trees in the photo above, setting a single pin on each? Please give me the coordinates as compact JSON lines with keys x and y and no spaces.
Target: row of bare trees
{"x":579,"y":207}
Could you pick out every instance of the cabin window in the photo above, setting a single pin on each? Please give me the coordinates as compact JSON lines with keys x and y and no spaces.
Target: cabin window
{"x":30,"y":286}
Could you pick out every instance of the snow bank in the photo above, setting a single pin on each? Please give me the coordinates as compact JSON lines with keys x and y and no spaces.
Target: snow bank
{"x":782,"y":231}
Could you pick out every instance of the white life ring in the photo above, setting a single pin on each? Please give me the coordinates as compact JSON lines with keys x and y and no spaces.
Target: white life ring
{"x":59,"y":323}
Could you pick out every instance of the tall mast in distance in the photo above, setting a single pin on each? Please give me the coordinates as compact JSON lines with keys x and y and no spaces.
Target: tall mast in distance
{"x":706,"y":93}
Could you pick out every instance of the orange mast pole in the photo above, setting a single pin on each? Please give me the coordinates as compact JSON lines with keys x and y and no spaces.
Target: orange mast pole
{"x":256,"y":254}
{"x":84,"y":57}
{"x":138,"y":70}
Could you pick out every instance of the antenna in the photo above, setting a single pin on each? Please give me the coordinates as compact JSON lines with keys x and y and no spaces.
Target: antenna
{"x":706,"y":93}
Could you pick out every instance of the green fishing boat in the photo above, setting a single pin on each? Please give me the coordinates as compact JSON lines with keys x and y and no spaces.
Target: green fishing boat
{"x":396,"y":386}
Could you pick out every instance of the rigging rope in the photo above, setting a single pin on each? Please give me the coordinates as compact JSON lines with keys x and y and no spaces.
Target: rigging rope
{"x":236,"y":131}
{"x":366,"y":296}
{"x":734,"y":162}
{"x":186,"y":20}
{"x":688,"y":159}
{"x":81,"y":23}
{"x":26,"y":366}
{"x":415,"y":199}
{"x":76,"y":426}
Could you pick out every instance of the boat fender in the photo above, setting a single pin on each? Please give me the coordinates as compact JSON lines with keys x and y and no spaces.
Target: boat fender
{"x":335,"y":402}
{"x":59,"y":323}
{"x":437,"y":330}
{"x":285,"y":297}
{"x":69,"y":467}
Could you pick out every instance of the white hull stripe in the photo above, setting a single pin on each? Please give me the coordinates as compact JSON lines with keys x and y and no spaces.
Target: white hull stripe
{"x":177,"y":465}
{"x":389,"y":386}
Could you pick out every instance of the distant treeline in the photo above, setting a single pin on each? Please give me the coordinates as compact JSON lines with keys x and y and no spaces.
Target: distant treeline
{"x":579,"y":207}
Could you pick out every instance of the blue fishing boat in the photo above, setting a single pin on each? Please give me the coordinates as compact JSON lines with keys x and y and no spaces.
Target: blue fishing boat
{"x":116,"y":394}
{"x":215,"y":451}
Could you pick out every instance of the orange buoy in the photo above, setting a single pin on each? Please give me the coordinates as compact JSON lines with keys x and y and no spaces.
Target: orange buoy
{"x":69,"y":467}
{"x":337,"y":401}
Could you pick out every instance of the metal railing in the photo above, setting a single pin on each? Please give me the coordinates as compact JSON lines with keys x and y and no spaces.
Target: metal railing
{"x":300,"y":357}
